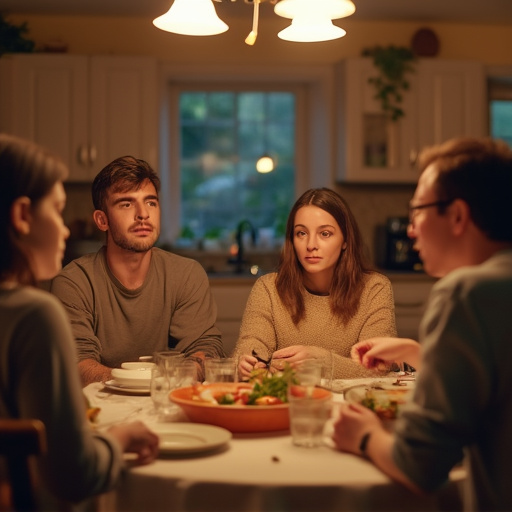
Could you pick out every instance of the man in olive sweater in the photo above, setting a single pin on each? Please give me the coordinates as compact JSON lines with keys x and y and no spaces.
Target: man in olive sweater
{"x":131,"y":299}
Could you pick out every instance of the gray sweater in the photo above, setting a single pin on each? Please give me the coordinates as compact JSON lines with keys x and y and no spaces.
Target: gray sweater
{"x":39,"y":380}
{"x":112,"y":324}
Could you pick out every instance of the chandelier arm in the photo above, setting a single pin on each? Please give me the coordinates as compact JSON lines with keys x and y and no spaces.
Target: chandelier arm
{"x":253,"y":34}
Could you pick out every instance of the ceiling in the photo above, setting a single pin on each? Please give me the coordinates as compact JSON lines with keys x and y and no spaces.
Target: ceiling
{"x":477,"y":11}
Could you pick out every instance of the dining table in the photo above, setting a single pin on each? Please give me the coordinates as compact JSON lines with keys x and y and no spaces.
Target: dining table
{"x":255,"y":472}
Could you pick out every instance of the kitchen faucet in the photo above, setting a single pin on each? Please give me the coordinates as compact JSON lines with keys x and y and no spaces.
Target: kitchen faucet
{"x":238,"y":259}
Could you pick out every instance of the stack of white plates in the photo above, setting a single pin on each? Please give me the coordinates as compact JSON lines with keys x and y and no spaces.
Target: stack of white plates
{"x":132,"y":377}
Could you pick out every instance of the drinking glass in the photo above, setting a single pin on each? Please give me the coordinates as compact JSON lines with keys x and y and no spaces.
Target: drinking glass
{"x":309,"y":413}
{"x":184,"y":374}
{"x":309,"y":372}
{"x":220,"y":370}
{"x":160,"y":388}
{"x":166,"y":358}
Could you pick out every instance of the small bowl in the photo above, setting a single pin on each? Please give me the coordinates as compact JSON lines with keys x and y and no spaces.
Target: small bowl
{"x":132,"y":378}
{"x":140,"y":366}
{"x":235,"y":418}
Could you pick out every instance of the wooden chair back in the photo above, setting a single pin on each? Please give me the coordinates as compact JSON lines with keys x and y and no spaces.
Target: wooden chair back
{"x":21,"y":440}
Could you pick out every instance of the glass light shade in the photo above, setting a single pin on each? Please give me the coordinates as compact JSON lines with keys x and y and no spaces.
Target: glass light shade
{"x":191,"y":18}
{"x":309,"y":30}
{"x":333,"y":9}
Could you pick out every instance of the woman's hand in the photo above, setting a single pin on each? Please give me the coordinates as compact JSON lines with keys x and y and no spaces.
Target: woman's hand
{"x":246,"y":364}
{"x":296,"y":354}
{"x":379,"y":352}
{"x":136,"y":438}
{"x":353,"y":423}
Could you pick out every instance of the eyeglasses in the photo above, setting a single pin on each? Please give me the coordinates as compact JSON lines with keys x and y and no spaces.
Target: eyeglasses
{"x":414,"y":209}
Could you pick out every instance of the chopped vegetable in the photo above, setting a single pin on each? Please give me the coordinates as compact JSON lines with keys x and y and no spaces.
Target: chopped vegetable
{"x":385,"y":409}
{"x":271,"y":385}
{"x":267,"y":389}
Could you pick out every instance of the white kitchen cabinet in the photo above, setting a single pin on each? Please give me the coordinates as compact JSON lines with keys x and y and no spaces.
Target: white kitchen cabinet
{"x":446,"y":99}
{"x":88,"y":110}
{"x":410,"y":294}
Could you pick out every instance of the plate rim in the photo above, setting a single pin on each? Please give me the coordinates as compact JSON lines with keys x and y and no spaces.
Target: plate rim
{"x":225,"y":436}
{"x":109,"y":384}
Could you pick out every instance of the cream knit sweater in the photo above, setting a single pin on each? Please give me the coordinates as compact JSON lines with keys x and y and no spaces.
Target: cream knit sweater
{"x":267,"y":325}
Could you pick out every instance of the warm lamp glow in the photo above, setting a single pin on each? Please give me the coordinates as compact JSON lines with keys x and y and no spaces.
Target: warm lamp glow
{"x":307,"y":29}
{"x":191,"y":18}
{"x":311,"y":19}
{"x":265,"y":164}
{"x":333,"y":9}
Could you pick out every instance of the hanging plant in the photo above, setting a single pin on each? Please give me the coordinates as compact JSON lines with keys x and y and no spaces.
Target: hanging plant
{"x":393,"y":64}
{"x":11,"y":38}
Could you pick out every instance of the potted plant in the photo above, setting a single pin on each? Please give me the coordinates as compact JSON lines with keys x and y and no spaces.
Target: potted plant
{"x":393,"y":64}
{"x":11,"y":38}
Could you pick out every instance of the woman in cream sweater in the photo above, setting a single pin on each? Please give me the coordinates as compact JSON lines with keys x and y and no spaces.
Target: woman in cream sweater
{"x":324,"y":297}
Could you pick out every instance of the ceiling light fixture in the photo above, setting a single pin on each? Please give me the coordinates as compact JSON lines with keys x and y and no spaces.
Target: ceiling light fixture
{"x":311,"y":19}
{"x":191,"y":18}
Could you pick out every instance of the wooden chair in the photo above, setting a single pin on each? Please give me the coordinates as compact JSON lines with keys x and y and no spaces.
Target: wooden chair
{"x":20,"y":440}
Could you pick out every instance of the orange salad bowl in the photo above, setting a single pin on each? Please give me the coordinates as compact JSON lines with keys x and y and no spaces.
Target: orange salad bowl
{"x":235,"y":418}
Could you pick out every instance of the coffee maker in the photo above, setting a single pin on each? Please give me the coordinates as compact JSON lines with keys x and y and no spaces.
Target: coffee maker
{"x":398,"y":253}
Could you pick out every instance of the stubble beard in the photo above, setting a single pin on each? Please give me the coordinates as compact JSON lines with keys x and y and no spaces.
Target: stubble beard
{"x":136,"y":246}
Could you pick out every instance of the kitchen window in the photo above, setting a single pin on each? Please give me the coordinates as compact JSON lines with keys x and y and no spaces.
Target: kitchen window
{"x":223,"y":134}
{"x":313,"y":93}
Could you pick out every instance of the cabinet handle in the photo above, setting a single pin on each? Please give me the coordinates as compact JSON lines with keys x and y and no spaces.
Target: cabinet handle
{"x":413,"y":157}
{"x":93,"y":154}
{"x":82,"y":155}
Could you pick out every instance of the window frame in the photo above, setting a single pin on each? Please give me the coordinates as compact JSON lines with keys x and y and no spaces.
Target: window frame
{"x":314,"y":121}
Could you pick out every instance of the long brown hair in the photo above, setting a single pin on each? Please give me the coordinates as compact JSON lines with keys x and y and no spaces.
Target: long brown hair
{"x":28,"y":170}
{"x":347,"y":282}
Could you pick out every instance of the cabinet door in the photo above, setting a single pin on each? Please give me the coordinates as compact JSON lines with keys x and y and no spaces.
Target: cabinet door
{"x":89,"y":111}
{"x":446,"y":99}
{"x":371,"y":147}
{"x":452,"y":100}
{"x":124,"y":109}
{"x":44,"y":99}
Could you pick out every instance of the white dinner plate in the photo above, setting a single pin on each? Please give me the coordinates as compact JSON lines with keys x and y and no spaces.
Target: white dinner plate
{"x":132,"y":378}
{"x":115,"y":386}
{"x":178,"y":438}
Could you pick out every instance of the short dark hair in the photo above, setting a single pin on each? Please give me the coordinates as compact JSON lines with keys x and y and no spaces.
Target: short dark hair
{"x":26,"y":169}
{"x":478,"y":171}
{"x":347,"y":283}
{"x":121,"y":175}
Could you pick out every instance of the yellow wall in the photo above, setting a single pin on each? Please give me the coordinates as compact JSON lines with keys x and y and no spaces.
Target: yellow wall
{"x":490,"y":44}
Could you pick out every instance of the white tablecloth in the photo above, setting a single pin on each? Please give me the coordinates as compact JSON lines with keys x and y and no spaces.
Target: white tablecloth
{"x":261,"y":472}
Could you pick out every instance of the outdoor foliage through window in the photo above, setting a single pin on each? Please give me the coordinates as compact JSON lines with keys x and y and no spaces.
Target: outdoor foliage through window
{"x":501,"y":120}
{"x":223,"y":134}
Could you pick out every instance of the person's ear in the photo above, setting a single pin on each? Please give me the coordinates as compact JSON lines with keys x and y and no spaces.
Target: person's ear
{"x":460,"y":216}
{"x":100,"y":220}
{"x":21,"y":216}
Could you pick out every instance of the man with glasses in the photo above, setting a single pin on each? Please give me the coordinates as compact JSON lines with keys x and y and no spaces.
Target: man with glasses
{"x":461,"y":221}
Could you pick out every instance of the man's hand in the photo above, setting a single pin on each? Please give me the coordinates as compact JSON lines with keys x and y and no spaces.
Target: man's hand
{"x":353,"y":423}
{"x":92,"y":371}
{"x":379,"y":352}
{"x":136,"y":438}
